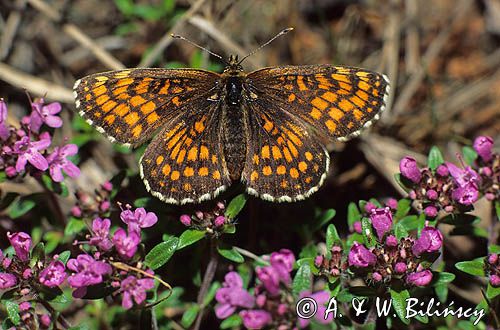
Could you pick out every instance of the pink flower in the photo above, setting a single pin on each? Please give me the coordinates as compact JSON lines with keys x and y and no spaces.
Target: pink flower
{"x":255,"y":319}
{"x":270,"y":278}
{"x":88,"y":271}
{"x":231,"y":296}
{"x":483,"y":145}
{"x":422,"y":278}
{"x":495,"y":281}
{"x":126,"y":245}
{"x":100,"y":234}
{"x":185,"y":220}
{"x":381,"y":220}
{"x":138,"y":219}
{"x":53,"y":275}
{"x":430,"y":240}
{"x":282,"y":262}
{"x":219,"y":221}
{"x":58,"y":162}
{"x":7,"y":280}
{"x":29,"y":151}
{"x":21,"y":242}
{"x":409,"y":169}
{"x":43,"y":114}
{"x":400,"y":268}
{"x":135,"y":288}
{"x":24,"y":306}
{"x":360,"y":256}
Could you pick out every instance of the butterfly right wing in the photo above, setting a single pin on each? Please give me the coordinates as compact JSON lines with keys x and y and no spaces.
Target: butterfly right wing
{"x":130,"y":105}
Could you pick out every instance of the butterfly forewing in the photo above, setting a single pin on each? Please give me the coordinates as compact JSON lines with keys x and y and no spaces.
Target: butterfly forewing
{"x":129,"y":106}
{"x":336,"y":101}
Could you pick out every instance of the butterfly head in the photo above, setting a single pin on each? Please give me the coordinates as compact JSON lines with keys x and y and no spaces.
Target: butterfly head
{"x":233,"y":65}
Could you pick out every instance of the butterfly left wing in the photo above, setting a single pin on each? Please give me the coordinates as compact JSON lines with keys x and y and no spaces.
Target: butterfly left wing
{"x":130,"y":105}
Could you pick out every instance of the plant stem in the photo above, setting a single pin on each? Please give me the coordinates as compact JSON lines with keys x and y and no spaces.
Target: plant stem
{"x":207,"y":280}
{"x":64,"y":323}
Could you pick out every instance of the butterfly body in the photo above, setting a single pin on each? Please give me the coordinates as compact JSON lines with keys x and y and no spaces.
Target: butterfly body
{"x":265,"y":128}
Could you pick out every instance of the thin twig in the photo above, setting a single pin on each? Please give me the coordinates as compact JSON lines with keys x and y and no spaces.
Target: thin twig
{"x":250,"y":255}
{"x":207,"y":280}
{"x":62,"y":320}
{"x":34,"y":85}
{"x":412,"y":49}
{"x":74,"y":32}
{"x":166,"y":40}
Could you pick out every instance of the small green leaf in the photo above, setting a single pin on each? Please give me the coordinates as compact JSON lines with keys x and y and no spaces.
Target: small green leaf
{"x":231,"y":254}
{"x":410,"y":222}
{"x":20,"y":207}
{"x":492,"y":292}
{"x":469,"y":155}
{"x":323,"y":218}
{"x":441,"y":292}
{"x":474,"y":267}
{"x":442,"y":278}
{"x":190,"y":315}
{"x":367,"y":232}
{"x":404,"y":206}
{"x":74,"y":226}
{"x":161,"y":253}
{"x":231,"y":322}
{"x":37,"y":254}
{"x":229,"y":229}
{"x":13,"y":311}
{"x":235,"y":206}
{"x":400,"y":231}
{"x":399,"y":304}
{"x":435,"y":158}
{"x":302,"y":280}
{"x":64,"y":256}
{"x":188,"y":237}
{"x":56,"y":187}
{"x":332,"y":236}
{"x":353,"y":214}
{"x":142,"y":202}
{"x":493,"y":248}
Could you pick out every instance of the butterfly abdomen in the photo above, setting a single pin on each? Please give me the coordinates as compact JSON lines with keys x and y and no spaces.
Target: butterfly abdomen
{"x":234,"y":140}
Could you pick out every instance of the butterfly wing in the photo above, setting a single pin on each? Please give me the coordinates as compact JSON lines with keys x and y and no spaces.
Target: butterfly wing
{"x":129,"y":106}
{"x":184,"y":161}
{"x":291,"y":109}
{"x":335,"y":101}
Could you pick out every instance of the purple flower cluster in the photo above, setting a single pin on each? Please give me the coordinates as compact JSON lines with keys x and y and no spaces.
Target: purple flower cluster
{"x":452,"y":188}
{"x":28,"y":145}
{"x":371,"y":211}
{"x":393,"y":258}
{"x":270,"y":304}
{"x":212,"y":221}
{"x":95,"y":205}
{"x":332,"y":266}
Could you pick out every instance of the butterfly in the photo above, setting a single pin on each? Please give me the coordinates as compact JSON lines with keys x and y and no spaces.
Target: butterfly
{"x":266,"y":128}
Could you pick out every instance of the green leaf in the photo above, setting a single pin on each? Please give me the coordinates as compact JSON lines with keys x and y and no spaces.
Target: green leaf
{"x":367,"y":232}
{"x":493,"y":248}
{"x":161,"y":253}
{"x":497,"y":209}
{"x":211,"y":293}
{"x":410,"y":222}
{"x":64,"y":256}
{"x":323,"y":218}
{"x":435,"y":158}
{"x":231,"y":254}
{"x":332,"y":236}
{"x":474,"y":267}
{"x":442,"y":278}
{"x":3,"y":176}
{"x":400,"y":231}
{"x":56,"y":187}
{"x":231,"y":322}
{"x":302,"y":280}
{"x":188,"y":237}
{"x":190,"y":315}
{"x":37,"y":254}
{"x":74,"y":226}
{"x":441,"y":292}
{"x":142,"y":202}
{"x":403,"y":182}
{"x":404,"y":206}
{"x":353,"y":214}
{"x":20,"y":207}
{"x":236,"y":205}
{"x":470,"y":155}
{"x":399,"y":304}
{"x":229,"y":229}
{"x":13,"y":311}
{"x":492,"y":292}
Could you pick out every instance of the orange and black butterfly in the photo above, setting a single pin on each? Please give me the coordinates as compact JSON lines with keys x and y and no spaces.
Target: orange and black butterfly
{"x":266,"y":128}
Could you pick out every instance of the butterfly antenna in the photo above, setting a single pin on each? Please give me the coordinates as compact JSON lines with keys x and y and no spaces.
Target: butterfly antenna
{"x":283,"y":32}
{"x":176,"y":36}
